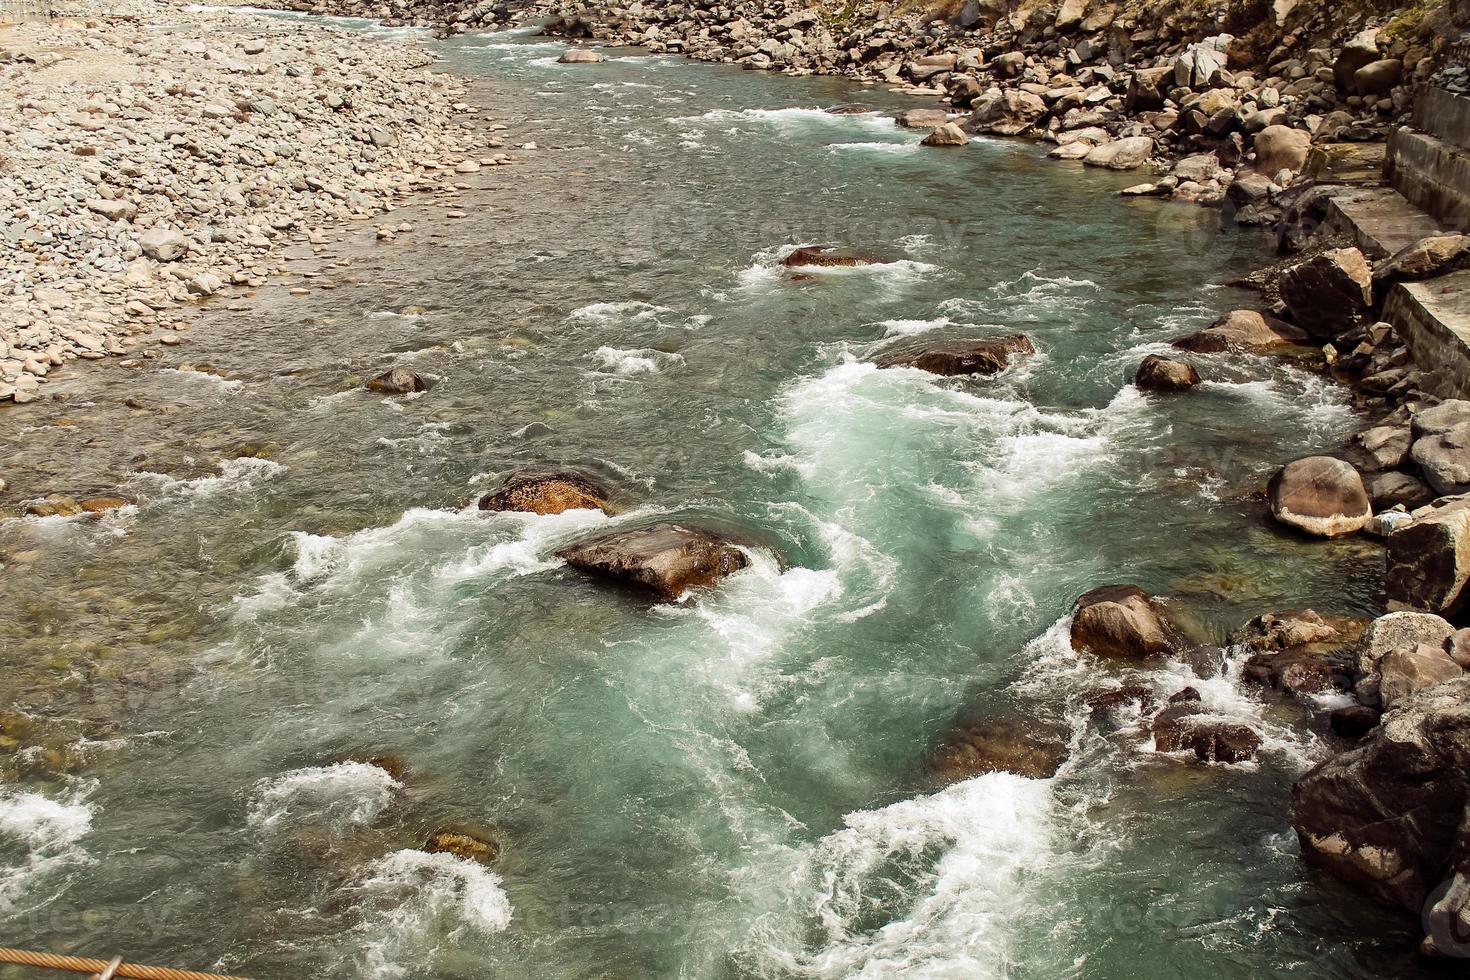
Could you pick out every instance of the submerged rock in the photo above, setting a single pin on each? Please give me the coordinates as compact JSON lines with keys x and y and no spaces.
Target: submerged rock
{"x":1320,"y":495}
{"x":56,"y":505}
{"x":1388,"y":816}
{"x":1164,"y":374}
{"x":825,"y":256}
{"x":956,"y":357}
{"x":1189,"y":725}
{"x":462,"y":844}
{"x":1121,"y":621}
{"x":1241,"y":330}
{"x":1007,"y":744}
{"x":398,"y":381}
{"x":665,"y":559}
{"x":548,"y":493}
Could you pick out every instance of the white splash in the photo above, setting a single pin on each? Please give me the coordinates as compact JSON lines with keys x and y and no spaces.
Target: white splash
{"x":342,"y":794}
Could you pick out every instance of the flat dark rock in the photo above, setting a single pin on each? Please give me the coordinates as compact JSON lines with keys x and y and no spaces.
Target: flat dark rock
{"x":665,"y":559}
{"x":825,"y":256}
{"x":956,"y":357}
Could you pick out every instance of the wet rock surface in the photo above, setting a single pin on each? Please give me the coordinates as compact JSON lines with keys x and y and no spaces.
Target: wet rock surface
{"x":547,"y":493}
{"x":1122,"y":621}
{"x":665,"y":559}
{"x":959,"y":357}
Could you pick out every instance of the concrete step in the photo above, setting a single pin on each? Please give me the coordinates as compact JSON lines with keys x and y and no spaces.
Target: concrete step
{"x":1433,"y":318}
{"x":1432,"y":173}
{"x":1380,"y":220}
{"x":1444,"y":115}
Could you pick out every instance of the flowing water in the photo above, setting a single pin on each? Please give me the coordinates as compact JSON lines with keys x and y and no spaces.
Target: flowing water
{"x":733,"y":786}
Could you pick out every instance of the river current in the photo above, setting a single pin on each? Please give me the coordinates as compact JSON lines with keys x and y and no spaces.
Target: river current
{"x":733,"y":786}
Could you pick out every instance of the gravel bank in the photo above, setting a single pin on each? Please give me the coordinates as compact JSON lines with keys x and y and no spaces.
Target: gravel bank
{"x":159,"y":156}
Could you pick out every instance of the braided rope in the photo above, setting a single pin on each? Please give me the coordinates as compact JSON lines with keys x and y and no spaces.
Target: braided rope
{"x":77,"y":964}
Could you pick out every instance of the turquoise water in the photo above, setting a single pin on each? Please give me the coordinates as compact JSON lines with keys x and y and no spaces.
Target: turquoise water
{"x":734,"y":786}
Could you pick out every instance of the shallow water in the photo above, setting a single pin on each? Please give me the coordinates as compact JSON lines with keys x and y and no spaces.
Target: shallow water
{"x":730,"y":787}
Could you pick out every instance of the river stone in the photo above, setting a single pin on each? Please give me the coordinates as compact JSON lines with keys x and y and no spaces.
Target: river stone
{"x":1281,"y":148}
{"x":1404,"y":670}
{"x":1428,"y":562}
{"x":1124,"y":154}
{"x":1394,"y":489}
{"x":1319,"y":495}
{"x":922,"y":118}
{"x":1358,"y":53}
{"x":1329,"y":293}
{"x":1300,"y":653}
{"x":1121,"y":621}
{"x":397,"y":381}
{"x":549,"y":493}
{"x":1445,"y":459}
{"x":1442,"y":417}
{"x":1007,"y":744}
{"x":1189,"y":725}
{"x":100,"y":505}
{"x":1127,"y":695}
{"x":1164,"y":374}
{"x":1379,"y":77}
{"x":827,"y":256}
{"x":947,"y":135}
{"x":1399,"y":629}
{"x":56,"y":505}
{"x":1007,"y":113}
{"x":957,"y":357}
{"x":1388,"y":815}
{"x":163,"y":244}
{"x":462,"y":844}
{"x":579,"y":56}
{"x":666,"y":559}
{"x":1383,"y":447}
{"x":1241,"y":330}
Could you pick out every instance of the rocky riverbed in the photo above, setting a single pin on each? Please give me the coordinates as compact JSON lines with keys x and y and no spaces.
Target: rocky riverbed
{"x":159,"y":156}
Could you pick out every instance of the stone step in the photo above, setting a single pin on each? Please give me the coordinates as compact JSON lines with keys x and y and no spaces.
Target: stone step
{"x":1380,"y":220}
{"x":1432,"y":173}
{"x":1445,"y":115}
{"x":1433,"y":318}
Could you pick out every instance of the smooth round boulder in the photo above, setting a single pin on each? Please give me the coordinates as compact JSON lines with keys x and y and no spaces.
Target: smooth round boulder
{"x":1121,"y":621}
{"x":665,"y":559}
{"x":545,"y":494}
{"x":398,"y":381}
{"x":580,"y":56}
{"x":1321,"y":496}
{"x":1281,"y":148}
{"x":947,"y":135}
{"x":1162,"y":374}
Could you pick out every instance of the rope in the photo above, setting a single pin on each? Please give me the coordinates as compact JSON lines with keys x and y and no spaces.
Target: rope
{"x":76,"y":964}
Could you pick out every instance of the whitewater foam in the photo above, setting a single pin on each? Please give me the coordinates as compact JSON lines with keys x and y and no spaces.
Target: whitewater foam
{"x":635,"y":361}
{"x":342,"y":794}
{"x":44,"y":834}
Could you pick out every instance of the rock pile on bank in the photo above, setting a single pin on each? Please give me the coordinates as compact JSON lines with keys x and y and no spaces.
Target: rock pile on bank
{"x":144,"y":169}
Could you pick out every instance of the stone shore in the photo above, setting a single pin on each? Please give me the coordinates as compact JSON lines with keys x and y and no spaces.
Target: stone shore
{"x":157,"y":156}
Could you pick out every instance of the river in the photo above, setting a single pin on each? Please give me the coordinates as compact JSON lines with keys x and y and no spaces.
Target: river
{"x":733,"y":786}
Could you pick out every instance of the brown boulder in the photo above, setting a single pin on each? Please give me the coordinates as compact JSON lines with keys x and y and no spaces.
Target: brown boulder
{"x":1164,"y":374}
{"x":462,"y":844}
{"x":1408,"y":669}
{"x":922,"y":118}
{"x":100,"y":505}
{"x":825,"y":256}
{"x":1006,"y":744}
{"x":1329,"y":293}
{"x":947,"y":135}
{"x":1281,"y":148}
{"x":1319,"y":495}
{"x":398,"y":381}
{"x":956,"y":357}
{"x":550,"y":493}
{"x":1189,"y":726}
{"x":1121,"y":621}
{"x":1300,"y":652}
{"x":1241,"y":330}
{"x":665,"y":559}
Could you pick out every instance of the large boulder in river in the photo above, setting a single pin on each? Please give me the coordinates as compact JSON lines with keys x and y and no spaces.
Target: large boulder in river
{"x":666,"y":559}
{"x":1122,"y":621}
{"x":1241,"y":330}
{"x":398,"y":381}
{"x":1189,"y":725}
{"x":1399,"y":629}
{"x":947,"y":135}
{"x":1129,"y":153}
{"x":1165,"y":374}
{"x":1330,"y":293}
{"x":956,"y":357}
{"x":1428,"y":565}
{"x":1405,"y":670}
{"x":580,"y":56}
{"x":1320,"y":495}
{"x":1389,"y":816}
{"x":548,"y":493}
{"x":1008,"y":743}
{"x":826,"y":256}
{"x":1007,"y":113}
{"x":1300,"y":653}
